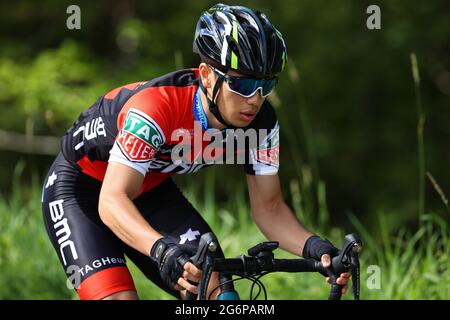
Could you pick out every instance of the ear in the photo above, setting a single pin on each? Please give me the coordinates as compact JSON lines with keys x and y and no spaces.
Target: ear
{"x":206,"y":75}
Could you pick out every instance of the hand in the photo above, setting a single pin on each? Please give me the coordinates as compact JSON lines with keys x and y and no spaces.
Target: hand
{"x":191,"y":275}
{"x":324,"y":250}
{"x":173,"y":264}
{"x":343,"y":277}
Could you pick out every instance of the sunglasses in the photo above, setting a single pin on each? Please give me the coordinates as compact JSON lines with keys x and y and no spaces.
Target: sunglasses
{"x":247,"y":87}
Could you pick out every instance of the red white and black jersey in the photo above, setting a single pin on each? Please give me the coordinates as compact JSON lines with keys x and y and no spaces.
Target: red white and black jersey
{"x":142,"y":124}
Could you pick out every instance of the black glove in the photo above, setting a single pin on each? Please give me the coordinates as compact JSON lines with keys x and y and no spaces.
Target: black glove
{"x":315,"y":247}
{"x":171,"y":259}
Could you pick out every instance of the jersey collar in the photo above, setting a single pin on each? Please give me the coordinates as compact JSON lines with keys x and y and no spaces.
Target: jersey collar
{"x":199,"y":113}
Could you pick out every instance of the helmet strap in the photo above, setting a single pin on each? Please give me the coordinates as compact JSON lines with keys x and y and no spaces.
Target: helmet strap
{"x":212,"y":106}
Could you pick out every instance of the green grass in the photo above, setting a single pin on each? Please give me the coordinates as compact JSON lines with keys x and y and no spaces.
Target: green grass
{"x":414,"y":264}
{"x":29,"y":267}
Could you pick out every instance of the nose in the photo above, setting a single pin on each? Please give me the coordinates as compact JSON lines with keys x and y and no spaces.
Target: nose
{"x":255,"y":99}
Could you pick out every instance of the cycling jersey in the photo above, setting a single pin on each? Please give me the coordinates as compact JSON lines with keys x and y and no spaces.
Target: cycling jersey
{"x":139,"y":125}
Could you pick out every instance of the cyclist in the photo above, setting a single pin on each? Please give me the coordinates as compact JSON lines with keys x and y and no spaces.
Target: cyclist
{"x":109,"y":193}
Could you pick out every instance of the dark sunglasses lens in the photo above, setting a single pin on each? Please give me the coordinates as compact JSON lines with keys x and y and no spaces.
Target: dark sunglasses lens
{"x":247,"y":86}
{"x":268,"y":86}
{"x":243,"y":86}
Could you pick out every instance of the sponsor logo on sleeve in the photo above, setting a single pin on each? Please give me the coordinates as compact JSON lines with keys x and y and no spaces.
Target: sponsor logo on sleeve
{"x":268,"y":152}
{"x":140,"y":137}
{"x":269,"y":156}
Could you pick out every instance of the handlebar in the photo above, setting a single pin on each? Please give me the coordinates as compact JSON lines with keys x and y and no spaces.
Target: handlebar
{"x":261,"y":260}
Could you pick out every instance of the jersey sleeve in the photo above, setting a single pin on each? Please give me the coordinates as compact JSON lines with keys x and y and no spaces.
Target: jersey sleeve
{"x":143,"y":126}
{"x":264,"y":158}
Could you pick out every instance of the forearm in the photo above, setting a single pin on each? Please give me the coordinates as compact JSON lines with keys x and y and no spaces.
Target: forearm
{"x":278,"y":223}
{"x":120,"y":214}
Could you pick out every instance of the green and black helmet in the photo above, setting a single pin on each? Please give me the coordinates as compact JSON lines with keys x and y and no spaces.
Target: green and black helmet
{"x":240,"y":39}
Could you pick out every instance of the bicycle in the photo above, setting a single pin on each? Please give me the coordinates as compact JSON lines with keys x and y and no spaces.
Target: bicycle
{"x":260,"y":262}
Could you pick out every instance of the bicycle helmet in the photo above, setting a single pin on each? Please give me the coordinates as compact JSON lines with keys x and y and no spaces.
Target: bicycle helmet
{"x":240,"y":39}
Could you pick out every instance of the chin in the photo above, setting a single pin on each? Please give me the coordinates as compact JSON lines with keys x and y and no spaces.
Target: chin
{"x":239,"y":123}
{"x":242,"y":124}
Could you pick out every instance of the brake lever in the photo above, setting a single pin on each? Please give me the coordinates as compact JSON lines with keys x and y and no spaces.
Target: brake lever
{"x":203,"y":260}
{"x":356,"y":277}
{"x":199,"y":258}
{"x":346,"y":260}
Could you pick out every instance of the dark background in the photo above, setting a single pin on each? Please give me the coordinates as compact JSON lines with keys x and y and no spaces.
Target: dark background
{"x":346,"y":101}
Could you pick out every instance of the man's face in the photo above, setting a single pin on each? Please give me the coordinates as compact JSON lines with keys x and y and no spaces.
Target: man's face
{"x":235,"y":109}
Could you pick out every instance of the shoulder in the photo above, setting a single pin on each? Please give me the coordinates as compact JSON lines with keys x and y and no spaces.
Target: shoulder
{"x":163,"y":88}
{"x":178,"y":78}
{"x":162,"y":99}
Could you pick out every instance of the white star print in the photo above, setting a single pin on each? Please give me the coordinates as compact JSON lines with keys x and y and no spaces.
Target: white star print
{"x":189,"y":236}
{"x":51,"y":180}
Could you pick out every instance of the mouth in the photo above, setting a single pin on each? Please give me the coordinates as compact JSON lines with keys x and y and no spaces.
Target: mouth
{"x":247,"y":115}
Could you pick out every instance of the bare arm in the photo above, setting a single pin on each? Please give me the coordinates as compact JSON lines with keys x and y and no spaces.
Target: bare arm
{"x":273,"y":217}
{"x":277,"y":221}
{"x":117,"y":210}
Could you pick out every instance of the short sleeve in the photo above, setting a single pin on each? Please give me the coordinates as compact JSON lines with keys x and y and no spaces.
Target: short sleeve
{"x":264,"y":158}
{"x":142,"y":130}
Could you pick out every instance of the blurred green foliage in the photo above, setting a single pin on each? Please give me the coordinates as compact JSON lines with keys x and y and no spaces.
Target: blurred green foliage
{"x":347,"y":111}
{"x":349,"y":88}
{"x":346,"y":101}
{"x":412,"y":265}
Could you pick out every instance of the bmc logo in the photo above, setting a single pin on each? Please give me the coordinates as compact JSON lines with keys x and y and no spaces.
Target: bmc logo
{"x":62,"y":229}
{"x":91,"y":130}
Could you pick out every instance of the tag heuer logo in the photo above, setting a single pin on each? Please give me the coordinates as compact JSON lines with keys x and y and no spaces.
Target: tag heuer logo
{"x":269,"y":156}
{"x":140,"y":137}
